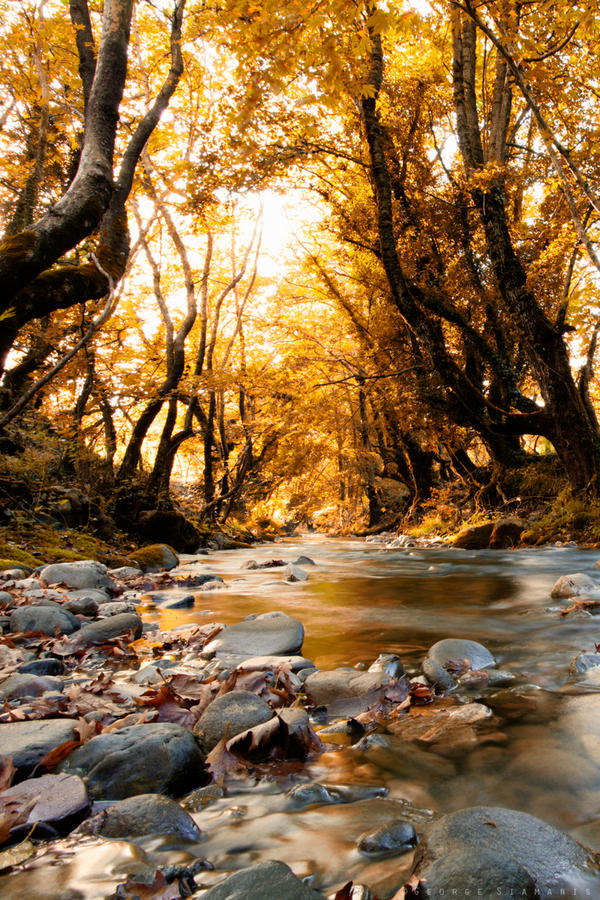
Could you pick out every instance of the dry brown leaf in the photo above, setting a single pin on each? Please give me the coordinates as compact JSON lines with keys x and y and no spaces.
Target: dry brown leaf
{"x":345,"y":893}
{"x":55,"y":756}
{"x":228,"y":684}
{"x":149,"y":715}
{"x":221,"y":762}
{"x":580,"y":606}
{"x":7,"y":772}
{"x":160,"y":889}
{"x":13,"y":812}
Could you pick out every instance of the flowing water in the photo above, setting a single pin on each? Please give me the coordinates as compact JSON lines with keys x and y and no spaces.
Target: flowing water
{"x":359,"y":601}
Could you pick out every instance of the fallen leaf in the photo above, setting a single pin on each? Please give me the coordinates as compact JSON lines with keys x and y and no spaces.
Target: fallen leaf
{"x":55,"y":756}
{"x":228,"y":684}
{"x":13,"y":812}
{"x":160,"y":889}
{"x":7,"y":772}
{"x":132,"y":719}
{"x":14,"y":856}
{"x":580,"y":606}
{"x":458,"y":666}
{"x":221,"y":762}
{"x":345,"y":893}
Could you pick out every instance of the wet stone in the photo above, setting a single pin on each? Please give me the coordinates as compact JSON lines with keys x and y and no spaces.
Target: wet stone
{"x":584,"y":662}
{"x":393,"y":837}
{"x":388,"y":663}
{"x":259,"y":635}
{"x":112,"y":627}
{"x":498,"y":852}
{"x":116,"y":608}
{"x":43,"y":618}
{"x":55,"y":797}
{"x":325,"y":687}
{"x":27,"y":742}
{"x":272,"y":879}
{"x":141,"y":815}
{"x":154,"y":758}
{"x":454,"y":650}
{"x":82,"y":606}
{"x":231,"y":714}
{"x":574,"y":586}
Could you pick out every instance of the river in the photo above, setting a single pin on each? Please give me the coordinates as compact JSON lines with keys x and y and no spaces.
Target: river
{"x":358,"y":602}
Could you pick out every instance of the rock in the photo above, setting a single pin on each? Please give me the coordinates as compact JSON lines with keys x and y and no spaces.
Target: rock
{"x":389,"y":664}
{"x":304,"y":561}
{"x":252,"y":564}
{"x":49,"y":666}
{"x":5,"y":598}
{"x":116,"y":608}
{"x":324,"y":687}
{"x":85,"y":573}
{"x":125,"y":572}
{"x":506,"y":533}
{"x":26,"y":685}
{"x":394,"y":837}
{"x":231,"y":714}
{"x":56,"y":798}
{"x":296,"y":663}
{"x":184,"y":602}
{"x":151,"y":674}
{"x":271,"y":879}
{"x":259,"y":635}
{"x":155,"y":558}
{"x":476,"y":537}
{"x":294,"y":573}
{"x":496,"y":852}
{"x":450,"y":732}
{"x":309,"y":794}
{"x":454,"y":650}
{"x":27,"y":742}
{"x":140,"y":759}
{"x":169,"y":526}
{"x":90,"y":594}
{"x":574,"y":586}
{"x":44,"y":618}
{"x":69,"y":505}
{"x":141,"y":815}
{"x":202,"y":797}
{"x":113,"y":627}
{"x":82,"y":606}
{"x":583,"y":662}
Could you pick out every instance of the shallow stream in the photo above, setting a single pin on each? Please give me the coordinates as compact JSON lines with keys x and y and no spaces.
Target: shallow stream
{"x":360,"y":601}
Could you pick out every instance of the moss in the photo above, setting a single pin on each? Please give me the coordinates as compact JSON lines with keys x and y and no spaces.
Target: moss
{"x":12,"y":564}
{"x":7,"y":551}
{"x":150,"y":557}
{"x":19,"y":246}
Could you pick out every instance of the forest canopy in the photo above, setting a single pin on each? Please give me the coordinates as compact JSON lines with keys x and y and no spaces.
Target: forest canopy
{"x":299,"y":261}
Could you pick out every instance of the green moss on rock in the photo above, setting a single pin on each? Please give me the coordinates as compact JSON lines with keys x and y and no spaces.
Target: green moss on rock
{"x":154,"y":557}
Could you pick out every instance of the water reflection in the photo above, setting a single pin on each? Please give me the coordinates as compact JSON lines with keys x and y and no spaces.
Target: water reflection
{"x":542,"y":755}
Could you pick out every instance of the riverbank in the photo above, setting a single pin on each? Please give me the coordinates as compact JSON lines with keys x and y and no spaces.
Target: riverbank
{"x":305,"y":785}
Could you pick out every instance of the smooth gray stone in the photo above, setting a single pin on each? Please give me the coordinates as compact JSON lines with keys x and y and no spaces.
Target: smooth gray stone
{"x":150,"y":674}
{"x":114,"y":626}
{"x":80,"y":574}
{"x":141,"y":815}
{"x":55,"y":797}
{"x":296,"y":663}
{"x":5,"y":597}
{"x":44,"y":618}
{"x":271,"y":880}
{"x":82,"y":606}
{"x":498,"y":852}
{"x":49,"y":666}
{"x":93,"y":593}
{"x":324,"y":686}
{"x":231,"y":714}
{"x":294,"y":573}
{"x":304,"y":561}
{"x":27,"y":742}
{"x":125,"y":572}
{"x":393,"y":837}
{"x":388,"y":663}
{"x":455,"y":650}
{"x":27,"y":685}
{"x":159,"y":758}
{"x":116,"y":608}
{"x":184,"y":602}
{"x":259,"y":635}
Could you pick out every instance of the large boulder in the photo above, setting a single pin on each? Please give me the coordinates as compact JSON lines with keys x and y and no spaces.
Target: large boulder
{"x":23,"y":684}
{"x":169,"y":526}
{"x":161,"y":758}
{"x":84,"y":573}
{"x":141,"y":815}
{"x":259,"y":635}
{"x":229,"y":715}
{"x":475,"y":537}
{"x":27,"y":742}
{"x":507,"y":533}
{"x":495,"y":852}
{"x":155,"y":558}
{"x":44,"y":618}
{"x":445,"y":653}
{"x":272,"y":879}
